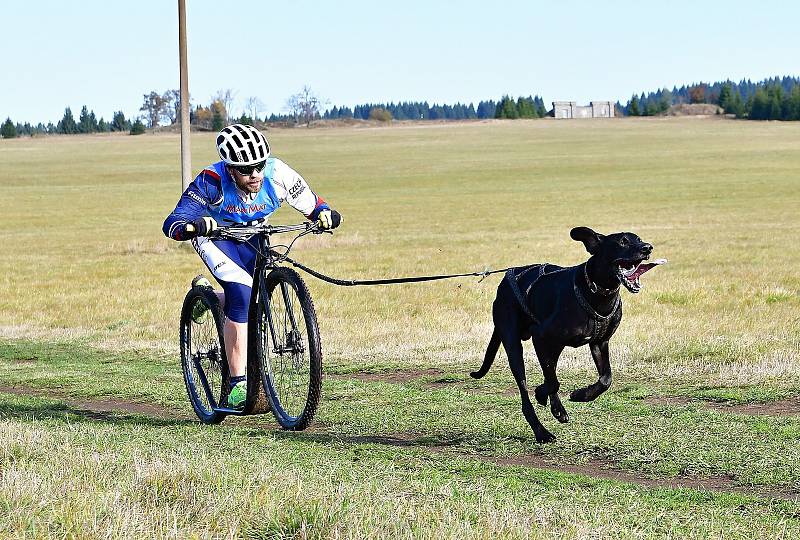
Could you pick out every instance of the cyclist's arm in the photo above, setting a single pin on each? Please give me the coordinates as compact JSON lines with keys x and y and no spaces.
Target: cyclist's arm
{"x":194,"y":203}
{"x":292,"y":188}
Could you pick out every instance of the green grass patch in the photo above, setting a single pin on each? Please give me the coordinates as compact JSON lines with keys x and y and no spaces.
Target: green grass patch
{"x":477,"y":417}
{"x":73,"y":476}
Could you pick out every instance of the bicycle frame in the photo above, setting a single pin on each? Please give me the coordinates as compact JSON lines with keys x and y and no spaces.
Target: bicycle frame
{"x":266,"y":259}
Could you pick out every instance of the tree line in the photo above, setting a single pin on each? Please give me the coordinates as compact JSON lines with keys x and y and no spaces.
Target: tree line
{"x":157,"y":108}
{"x":776,"y":98}
{"x":506,"y":107}
{"x":163,"y":108}
{"x":87,"y":122}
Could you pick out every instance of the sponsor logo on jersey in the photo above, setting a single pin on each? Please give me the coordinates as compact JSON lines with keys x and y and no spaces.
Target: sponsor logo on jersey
{"x":245,"y":208}
{"x":197,"y":197}
{"x":296,"y":189}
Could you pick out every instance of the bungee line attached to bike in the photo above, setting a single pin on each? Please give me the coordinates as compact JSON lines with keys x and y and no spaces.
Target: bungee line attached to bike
{"x":389,"y":281}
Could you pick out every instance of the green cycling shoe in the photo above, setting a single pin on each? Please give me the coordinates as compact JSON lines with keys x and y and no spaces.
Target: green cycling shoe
{"x":238,"y":395}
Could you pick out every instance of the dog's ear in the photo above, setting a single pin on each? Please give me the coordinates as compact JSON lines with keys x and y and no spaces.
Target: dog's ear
{"x":590,"y":239}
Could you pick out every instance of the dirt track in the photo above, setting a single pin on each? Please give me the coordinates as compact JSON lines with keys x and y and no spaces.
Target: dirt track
{"x":100,"y":409}
{"x":784,"y":407}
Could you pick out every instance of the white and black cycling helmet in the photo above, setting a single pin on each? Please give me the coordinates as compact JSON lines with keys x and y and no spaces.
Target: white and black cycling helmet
{"x":240,"y":144}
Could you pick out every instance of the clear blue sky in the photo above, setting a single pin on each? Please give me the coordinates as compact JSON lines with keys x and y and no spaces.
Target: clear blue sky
{"x":107,"y":54}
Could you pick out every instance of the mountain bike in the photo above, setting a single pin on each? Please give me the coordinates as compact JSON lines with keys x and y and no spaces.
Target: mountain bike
{"x":284,"y":352}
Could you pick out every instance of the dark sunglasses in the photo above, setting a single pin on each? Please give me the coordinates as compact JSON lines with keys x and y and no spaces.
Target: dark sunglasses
{"x":247,"y":170}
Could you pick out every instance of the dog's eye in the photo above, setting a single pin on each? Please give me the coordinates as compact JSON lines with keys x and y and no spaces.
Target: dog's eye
{"x":623,"y":242}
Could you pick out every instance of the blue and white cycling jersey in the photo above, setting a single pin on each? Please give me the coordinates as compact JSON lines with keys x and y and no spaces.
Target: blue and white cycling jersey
{"x":214,"y":193}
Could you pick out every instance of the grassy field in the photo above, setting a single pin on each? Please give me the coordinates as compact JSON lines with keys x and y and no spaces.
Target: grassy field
{"x":698,"y":437}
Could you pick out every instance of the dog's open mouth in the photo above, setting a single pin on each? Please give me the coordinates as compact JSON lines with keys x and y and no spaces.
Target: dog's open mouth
{"x":629,"y":271}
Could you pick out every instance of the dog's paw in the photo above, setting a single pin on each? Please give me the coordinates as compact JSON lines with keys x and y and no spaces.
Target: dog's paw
{"x":541,"y":394}
{"x":544,"y":436}
{"x":560,"y":413}
{"x":579,"y":395}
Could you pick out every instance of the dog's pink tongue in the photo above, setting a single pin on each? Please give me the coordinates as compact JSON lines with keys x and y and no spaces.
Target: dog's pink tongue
{"x":645,"y":266}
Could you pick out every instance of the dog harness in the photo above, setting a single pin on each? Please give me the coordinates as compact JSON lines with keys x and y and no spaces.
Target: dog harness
{"x":600,"y":323}
{"x":513,"y":280}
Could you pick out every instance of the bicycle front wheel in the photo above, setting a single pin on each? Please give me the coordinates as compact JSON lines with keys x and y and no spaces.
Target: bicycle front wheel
{"x":288,"y":347}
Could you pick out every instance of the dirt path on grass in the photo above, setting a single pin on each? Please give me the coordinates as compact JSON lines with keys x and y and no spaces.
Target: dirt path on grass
{"x":428,"y":378}
{"x":104,"y":409}
{"x":95,"y":407}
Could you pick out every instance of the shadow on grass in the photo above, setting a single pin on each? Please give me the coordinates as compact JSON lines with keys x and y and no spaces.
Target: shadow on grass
{"x":62,"y":412}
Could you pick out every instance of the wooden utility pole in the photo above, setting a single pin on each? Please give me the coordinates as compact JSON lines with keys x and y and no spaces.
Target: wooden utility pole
{"x":186,"y":151}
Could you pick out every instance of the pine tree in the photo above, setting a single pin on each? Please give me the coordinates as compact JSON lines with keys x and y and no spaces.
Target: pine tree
{"x":471,"y":114}
{"x":541,"y":110}
{"x":119,"y":123}
{"x":633,"y":106}
{"x":736,"y":105}
{"x":485,"y":110}
{"x":725,"y":96}
{"x":137,"y":128}
{"x":794,"y":103}
{"x":87,"y":122}
{"x":775,"y":94}
{"x":666,"y":101}
{"x":759,"y":105}
{"x":525,"y":107}
{"x":8,"y":130}
{"x":67,"y":124}
{"x":217,"y":122}
{"x":506,"y":108}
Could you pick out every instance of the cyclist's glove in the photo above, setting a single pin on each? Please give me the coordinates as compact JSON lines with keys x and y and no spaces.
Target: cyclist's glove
{"x":329,"y":219}
{"x":200,"y":227}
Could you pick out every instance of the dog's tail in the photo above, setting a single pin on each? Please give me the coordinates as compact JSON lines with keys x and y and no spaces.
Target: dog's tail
{"x":488,"y":359}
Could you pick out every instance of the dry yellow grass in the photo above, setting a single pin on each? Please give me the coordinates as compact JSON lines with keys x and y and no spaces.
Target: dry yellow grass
{"x":84,"y":255}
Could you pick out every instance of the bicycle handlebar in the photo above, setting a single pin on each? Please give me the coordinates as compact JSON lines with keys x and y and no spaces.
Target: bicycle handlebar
{"x":244,"y":232}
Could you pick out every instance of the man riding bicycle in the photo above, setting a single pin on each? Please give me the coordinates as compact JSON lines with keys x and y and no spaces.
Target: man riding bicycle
{"x":246,"y":187}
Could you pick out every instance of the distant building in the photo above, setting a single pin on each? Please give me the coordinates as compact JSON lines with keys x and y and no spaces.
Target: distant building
{"x":595,"y":109}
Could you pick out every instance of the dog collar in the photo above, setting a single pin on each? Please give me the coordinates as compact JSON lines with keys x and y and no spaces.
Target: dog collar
{"x":594,"y":287}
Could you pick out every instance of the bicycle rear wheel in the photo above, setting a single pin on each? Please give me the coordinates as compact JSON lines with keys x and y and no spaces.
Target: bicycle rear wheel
{"x":288,"y":347}
{"x":203,"y":360}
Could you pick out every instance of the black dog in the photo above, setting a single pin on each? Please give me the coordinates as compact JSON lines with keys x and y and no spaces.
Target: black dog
{"x":558,"y":307}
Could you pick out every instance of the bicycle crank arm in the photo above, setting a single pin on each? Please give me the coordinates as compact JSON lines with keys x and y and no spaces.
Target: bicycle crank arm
{"x":227,"y":410}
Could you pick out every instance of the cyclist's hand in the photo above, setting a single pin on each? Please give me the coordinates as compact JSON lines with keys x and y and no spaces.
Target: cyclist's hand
{"x":200,"y":227}
{"x":329,"y":219}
